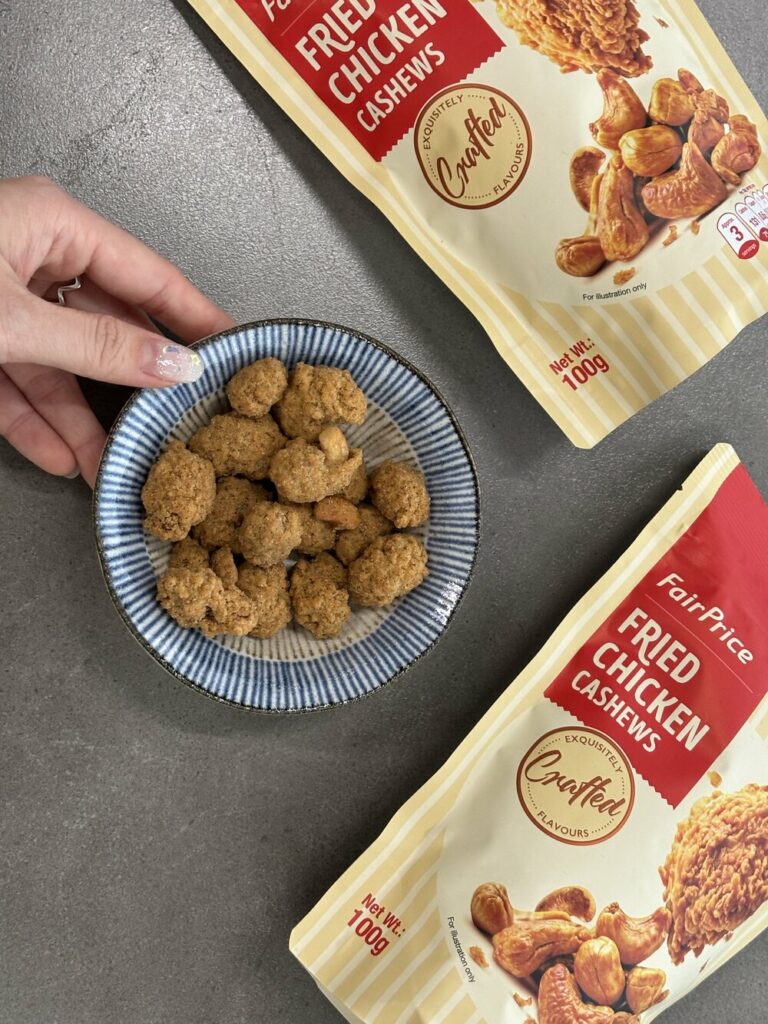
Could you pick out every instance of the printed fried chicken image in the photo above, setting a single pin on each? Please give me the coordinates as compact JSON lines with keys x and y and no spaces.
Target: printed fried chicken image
{"x":581,"y":34}
{"x":190,"y":596}
{"x":716,"y":874}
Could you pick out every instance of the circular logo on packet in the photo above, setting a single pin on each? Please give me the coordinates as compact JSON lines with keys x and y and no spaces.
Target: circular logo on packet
{"x":473,"y":144}
{"x":576,"y":785}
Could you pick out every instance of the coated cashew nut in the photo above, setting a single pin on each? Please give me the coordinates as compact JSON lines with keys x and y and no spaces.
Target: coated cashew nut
{"x":598,"y":971}
{"x":526,"y":945}
{"x":738,"y":151}
{"x":585,"y":167}
{"x":645,"y":988}
{"x":670,"y":103}
{"x":491,"y":908}
{"x":575,"y":900}
{"x":560,"y":1001}
{"x":334,"y":445}
{"x":636,"y":938}
{"x":705,"y":131}
{"x":621,"y":227}
{"x":709,"y":102}
{"x":692,"y":190}
{"x":651,"y":151}
{"x":689,"y":82}
{"x":583,"y":256}
{"x":623,"y":110}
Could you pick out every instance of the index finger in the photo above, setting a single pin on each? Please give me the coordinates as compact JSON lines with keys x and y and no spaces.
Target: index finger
{"x":136,"y":274}
{"x":82,"y":242}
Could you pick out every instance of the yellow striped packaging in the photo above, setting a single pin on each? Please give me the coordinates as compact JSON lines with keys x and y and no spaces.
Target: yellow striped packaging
{"x":394,"y":940}
{"x":487,"y":212}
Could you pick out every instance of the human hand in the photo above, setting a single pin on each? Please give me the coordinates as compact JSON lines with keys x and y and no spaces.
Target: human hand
{"x":47,"y":238}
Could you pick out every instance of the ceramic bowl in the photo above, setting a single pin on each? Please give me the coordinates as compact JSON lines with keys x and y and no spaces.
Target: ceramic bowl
{"x":407,"y":420}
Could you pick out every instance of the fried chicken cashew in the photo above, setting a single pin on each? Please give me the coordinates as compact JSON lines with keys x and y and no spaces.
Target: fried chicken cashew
{"x":712,"y":103}
{"x":223,"y":564}
{"x":337,"y":511}
{"x":239,"y":445}
{"x":623,"y":110}
{"x":269,"y":532}
{"x":236,"y":615}
{"x":319,"y":595}
{"x":705,"y":131}
{"x":188,"y":554}
{"x":651,"y":151}
{"x":585,"y":167}
{"x":256,"y":388}
{"x":179,"y":492}
{"x":350,"y":544}
{"x":398,"y":491}
{"x":301,"y":472}
{"x":561,"y":1002}
{"x":268,"y":591}
{"x":317,"y":397}
{"x":190,"y":596}
{"x":582,"y":255}
{"x":333,"y":445}
{"x":357,"y":488}
{"x":234,"y":497}
{"x":671,"y":103}
{"x":199,"y":599}
{"x":525,"y":946}
{"x":316,"y":535}
{"x":738,"y":151}
{"x":387,"y":569}
{"x":621,"y":227}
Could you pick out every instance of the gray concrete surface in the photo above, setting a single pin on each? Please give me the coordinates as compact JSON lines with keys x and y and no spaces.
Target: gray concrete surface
{"x":156,"y":847}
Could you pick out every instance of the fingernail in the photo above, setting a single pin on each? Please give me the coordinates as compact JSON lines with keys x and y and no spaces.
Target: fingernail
{"x":173,"y":362}
{"x":73,"y":475}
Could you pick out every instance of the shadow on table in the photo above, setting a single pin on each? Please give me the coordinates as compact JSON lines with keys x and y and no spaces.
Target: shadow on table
{"x":106,"y":400}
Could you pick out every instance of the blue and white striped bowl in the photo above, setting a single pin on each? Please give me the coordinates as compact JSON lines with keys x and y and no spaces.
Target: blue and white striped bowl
{"x":293,"y":671}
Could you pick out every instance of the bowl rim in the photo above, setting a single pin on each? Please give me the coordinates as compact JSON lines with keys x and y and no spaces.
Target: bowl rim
{"x":107,"y":575}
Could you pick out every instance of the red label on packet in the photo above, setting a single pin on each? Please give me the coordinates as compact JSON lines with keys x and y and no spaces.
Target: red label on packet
{"x":680,"y":665}
{"x":375,"y":63}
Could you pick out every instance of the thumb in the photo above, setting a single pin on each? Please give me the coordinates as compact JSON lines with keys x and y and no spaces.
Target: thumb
{"x":96,"y":345}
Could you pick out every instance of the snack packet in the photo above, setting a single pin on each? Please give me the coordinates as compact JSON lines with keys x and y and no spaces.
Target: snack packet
{"x":607,"y":225}
{"x":598,"y":845}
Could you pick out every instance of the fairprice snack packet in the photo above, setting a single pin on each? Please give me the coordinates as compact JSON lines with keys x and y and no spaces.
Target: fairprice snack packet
{"x":598,"y":845}
{"x":587,"y":177}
